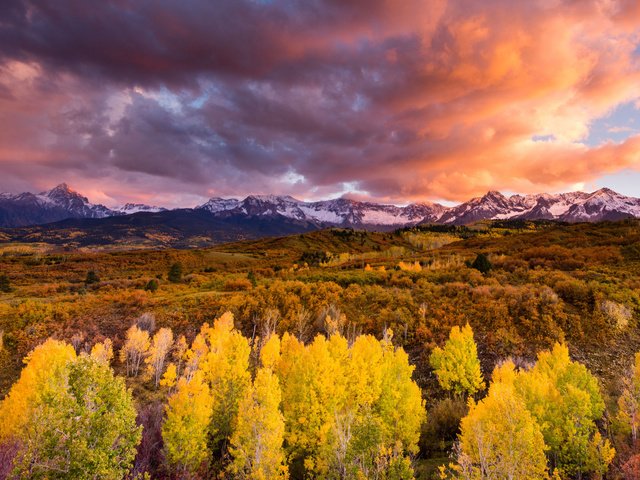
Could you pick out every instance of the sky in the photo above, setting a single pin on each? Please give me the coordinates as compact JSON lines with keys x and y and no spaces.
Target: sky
{"x":170,"y":102}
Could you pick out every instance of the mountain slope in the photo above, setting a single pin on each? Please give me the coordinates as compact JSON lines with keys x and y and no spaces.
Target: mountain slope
{"x":182,"y":228}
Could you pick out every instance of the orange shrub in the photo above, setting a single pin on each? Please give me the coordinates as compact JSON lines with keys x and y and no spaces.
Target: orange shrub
{"x":237,"y":285}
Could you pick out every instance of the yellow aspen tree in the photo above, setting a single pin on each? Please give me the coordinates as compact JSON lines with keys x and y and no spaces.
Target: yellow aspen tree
{"x":186,"y":427}
{"x":103,"y":351}
{"x":364,"y":375}
{"x":158,"y":351}
{"x":500,"y":439}
{"x":194,"y":355}
{"x":270,"y":353}
{"x":179,"y":354}
{"x":170,"y":376}
{"x":135,"y":349}
{"x":565,"y":399}
{"x":379,"y":428}
{"x":312,"y":392}
{"x":291,"y":353}
{"x":86,"y":428}
{"x":400,"y":406}
{"x":256,"y":445}
{"x":225,"y":367}
{"x":456,"y":365}
{"x":357,"y":425}
{"x":44,"y":373}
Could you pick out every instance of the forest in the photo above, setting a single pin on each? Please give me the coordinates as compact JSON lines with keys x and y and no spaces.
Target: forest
{"x":502,"y":350}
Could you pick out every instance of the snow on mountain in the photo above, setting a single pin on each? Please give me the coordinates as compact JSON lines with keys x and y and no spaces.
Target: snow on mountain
{"x":571,"y":207}
{"x":216,"y":204}
{"x":340,"y":211}
{"x":77,"y":205}
{"x":491,"y":205}
{"x":129,"y":208}
{"x":604,"y":204}
{"x":62,"y":203}
{"x":59,"y":203}
{"x":53,"y":205}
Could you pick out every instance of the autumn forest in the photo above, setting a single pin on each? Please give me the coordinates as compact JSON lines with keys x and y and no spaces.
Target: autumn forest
{"x":506,"y":350}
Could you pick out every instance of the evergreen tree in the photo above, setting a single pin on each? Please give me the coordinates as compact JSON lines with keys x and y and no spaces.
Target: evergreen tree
{"x":482,"y":264}
{"x":91,"y":278}
{"x":5,"y":283}
{"x":152,"y":285}
{"x":175,"y":273}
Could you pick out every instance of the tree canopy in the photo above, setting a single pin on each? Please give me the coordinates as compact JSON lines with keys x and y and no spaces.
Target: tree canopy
{"x":456,"y":364}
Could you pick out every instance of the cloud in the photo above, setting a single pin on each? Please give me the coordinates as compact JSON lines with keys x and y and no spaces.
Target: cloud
{"x":622,"y":129}
{"x":424,"y":100}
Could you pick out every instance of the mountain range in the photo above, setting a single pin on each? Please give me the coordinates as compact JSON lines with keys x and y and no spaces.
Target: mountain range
{"x":255,"y":216}
{"x":59,"y":203}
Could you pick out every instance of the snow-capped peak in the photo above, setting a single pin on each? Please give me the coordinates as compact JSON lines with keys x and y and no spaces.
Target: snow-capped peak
{"x":272,"y":198}
{"x":339,"y":211}
{"x":603,"y":204}
{"x":61,"y":189}
{"x":129,"y":208}
{"x":217,"y":204}
{"x":63,"y":194}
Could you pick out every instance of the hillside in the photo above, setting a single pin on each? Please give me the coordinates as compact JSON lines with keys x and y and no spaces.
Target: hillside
{"x":548,"y":282}
{"x":182,"y":228}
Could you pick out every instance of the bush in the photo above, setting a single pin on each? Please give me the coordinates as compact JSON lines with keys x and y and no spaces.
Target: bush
{"x":574,"y":292}
{"x":237,"y":285}
{"x":146,"y":321}
{"x":152,"y":285}
{"x":631,"y":468}
{"x":91,"y":278}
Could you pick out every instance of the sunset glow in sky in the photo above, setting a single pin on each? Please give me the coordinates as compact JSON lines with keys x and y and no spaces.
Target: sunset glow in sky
{"x":173,"y":101}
